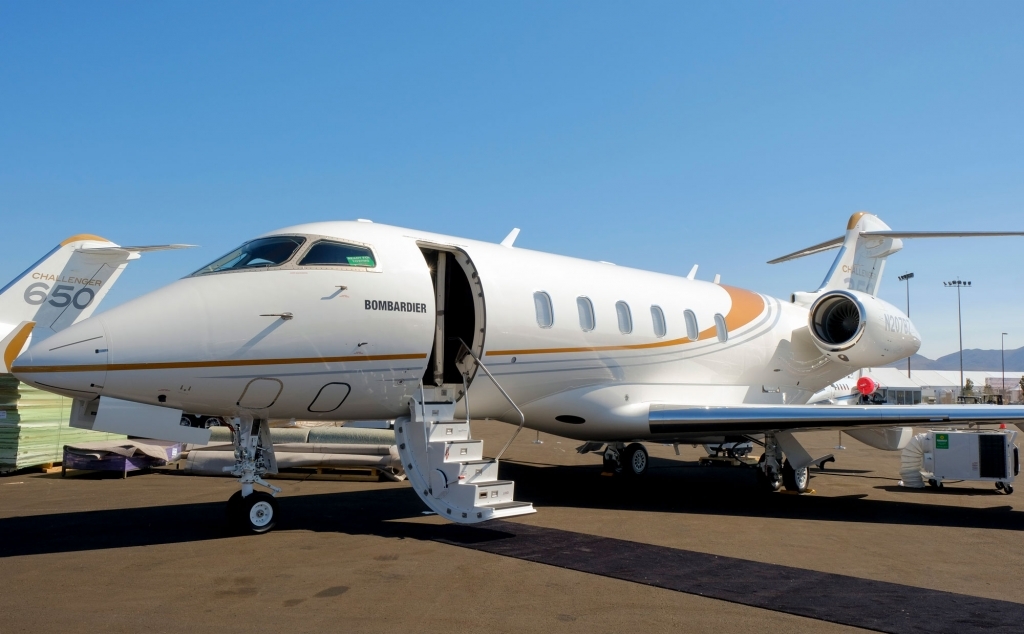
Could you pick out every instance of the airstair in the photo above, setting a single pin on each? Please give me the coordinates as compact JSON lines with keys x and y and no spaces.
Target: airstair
{"x":446,"y":466}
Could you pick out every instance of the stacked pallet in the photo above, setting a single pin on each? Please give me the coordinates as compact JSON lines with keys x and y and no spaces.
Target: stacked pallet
{"x":34,"y":426}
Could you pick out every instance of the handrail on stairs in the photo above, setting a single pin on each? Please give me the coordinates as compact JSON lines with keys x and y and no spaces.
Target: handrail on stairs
{"x":522,"y":417}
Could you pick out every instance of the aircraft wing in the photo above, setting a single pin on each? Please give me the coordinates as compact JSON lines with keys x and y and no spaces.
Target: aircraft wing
{"x":755,"y":419}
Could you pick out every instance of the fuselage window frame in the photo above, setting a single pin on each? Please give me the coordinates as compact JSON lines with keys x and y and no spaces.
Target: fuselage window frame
{"x":658,"y":319}
{"x":624,"y":316}
{"x":545,"y":311}
{"x":721,"y":329}
{"x":692,"y":329}
{"x":585,"y":307}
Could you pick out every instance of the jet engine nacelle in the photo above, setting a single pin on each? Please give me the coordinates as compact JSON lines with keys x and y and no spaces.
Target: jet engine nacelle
{"x":860,"y":330}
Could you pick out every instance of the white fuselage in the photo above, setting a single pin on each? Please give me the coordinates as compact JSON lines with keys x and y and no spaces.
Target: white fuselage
{"x":361,"y":338}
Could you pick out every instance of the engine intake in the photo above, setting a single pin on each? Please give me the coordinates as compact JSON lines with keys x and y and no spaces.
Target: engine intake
{"x":837,"y":320}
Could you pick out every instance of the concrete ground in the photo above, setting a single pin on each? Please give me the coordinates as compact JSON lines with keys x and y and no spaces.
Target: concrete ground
{"x":151,"y":553}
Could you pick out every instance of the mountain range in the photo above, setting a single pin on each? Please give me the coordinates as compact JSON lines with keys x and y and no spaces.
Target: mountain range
{"x":974,"y":359}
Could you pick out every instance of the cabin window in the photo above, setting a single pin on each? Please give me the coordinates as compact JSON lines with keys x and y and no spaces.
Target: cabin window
{"x":720,"y":329}
{"x":625,"y":317}
{"x":692,"y":331}
{"x":545,"y":314}
{"x":586,"y":309}
{"x":330,"y":253}
{"x":658,"y":317}
{"x":256,"y":254}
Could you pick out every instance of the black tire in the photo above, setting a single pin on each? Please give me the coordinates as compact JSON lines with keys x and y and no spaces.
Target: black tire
{"x":233,"y":501}
{"x":1007,"y":489}
{"x":769,"y":484}
{"x":253,"y":514}
{"x":610,"y":465}
{"x":636,"y":460}
{"x":794,"y":481}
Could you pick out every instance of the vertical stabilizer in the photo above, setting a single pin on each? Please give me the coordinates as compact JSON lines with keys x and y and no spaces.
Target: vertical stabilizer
{"x":861,"y":259}
{"x":65,"y":286}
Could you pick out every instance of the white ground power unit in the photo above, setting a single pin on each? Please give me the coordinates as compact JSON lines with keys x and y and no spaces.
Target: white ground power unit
{"x":972,"y":455}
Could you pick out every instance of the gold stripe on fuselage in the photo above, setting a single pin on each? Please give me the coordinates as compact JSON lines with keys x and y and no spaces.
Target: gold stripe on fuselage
{"x":176,"y":365}
{"x":746,"y":307}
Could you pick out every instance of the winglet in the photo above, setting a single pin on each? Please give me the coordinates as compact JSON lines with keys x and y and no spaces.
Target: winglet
{"x":510,"y":238}
{"x":14,"y":342}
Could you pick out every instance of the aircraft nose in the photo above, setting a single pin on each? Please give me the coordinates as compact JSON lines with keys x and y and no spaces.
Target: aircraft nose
{"x":72,"y":362}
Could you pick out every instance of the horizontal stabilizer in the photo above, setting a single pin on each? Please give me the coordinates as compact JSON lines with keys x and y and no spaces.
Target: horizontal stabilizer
{"x":119,"y":250}
{"x":941,"y":234}
{"x":828,"y":245}
{"x":835,"y":243}
{"x":864,"y":248}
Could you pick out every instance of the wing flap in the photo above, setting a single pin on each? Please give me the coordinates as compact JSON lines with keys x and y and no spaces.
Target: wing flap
{"x":755,"y":419}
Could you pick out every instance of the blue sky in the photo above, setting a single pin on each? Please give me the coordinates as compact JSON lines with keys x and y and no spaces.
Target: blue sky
{"x":654,"y":135}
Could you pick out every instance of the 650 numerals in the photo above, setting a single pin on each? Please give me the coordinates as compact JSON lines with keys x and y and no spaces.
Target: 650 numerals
{"x":61,"y":296}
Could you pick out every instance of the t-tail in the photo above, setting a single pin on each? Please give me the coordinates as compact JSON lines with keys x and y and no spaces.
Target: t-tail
{"x":863,"y":250}
{"x":64,"y":287}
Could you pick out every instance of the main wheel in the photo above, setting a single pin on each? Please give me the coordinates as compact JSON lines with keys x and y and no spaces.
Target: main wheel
{"x":253,"y":514}
{"x":795,"y":479}
{"x":611,"y":462}
{"x":636,"y":460}
{"x":769,"y":482}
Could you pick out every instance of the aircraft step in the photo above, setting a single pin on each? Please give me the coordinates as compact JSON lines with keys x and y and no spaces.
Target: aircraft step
{"x":446,"y":466}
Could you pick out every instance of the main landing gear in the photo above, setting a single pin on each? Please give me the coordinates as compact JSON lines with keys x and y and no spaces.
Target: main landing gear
{"x":631,"y":460}
{"x":249,"y":511}
{"x":774,"y":472}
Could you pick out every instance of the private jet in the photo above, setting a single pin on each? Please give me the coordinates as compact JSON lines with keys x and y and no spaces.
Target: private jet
{"x":358,"y":320}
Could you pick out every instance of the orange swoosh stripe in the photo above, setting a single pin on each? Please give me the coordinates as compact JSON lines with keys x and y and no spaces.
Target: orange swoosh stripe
{"x":746,"y":306}
{"x":175,"y":365}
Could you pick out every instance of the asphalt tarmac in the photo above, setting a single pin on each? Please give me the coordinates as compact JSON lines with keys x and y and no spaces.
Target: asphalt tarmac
{"x":688,"y":548}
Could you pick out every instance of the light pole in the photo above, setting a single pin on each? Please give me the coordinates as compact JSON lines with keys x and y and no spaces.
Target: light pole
{"x":906,"y":277}
{"x":958,"y":283}
{"x":1002,"y":363}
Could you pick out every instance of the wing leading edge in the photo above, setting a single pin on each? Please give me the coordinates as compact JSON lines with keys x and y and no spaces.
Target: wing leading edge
{"x":756,"y":419}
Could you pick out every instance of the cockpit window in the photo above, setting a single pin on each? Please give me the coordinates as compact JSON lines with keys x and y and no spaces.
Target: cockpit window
{"x":329,"y":253}
{"x":261,"y":253}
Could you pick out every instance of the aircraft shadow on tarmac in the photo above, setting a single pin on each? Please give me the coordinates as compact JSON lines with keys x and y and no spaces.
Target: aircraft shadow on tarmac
{"x":669,"y":488}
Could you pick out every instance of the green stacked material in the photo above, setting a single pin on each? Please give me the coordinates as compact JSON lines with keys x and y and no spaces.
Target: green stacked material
{"x":34,"y":426}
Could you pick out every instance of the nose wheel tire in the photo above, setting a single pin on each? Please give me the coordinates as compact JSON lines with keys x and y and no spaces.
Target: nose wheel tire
{"x":253,"y":514}
{"x":636,"y":461}
{"x":795,"y":479}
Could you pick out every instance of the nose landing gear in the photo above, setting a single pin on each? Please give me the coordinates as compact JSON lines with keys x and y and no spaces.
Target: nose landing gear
{"x":248,"y":511}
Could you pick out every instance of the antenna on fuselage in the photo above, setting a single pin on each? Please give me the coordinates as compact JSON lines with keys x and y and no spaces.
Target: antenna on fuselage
{"x":693,"y":273}
{"x":510,"y":238}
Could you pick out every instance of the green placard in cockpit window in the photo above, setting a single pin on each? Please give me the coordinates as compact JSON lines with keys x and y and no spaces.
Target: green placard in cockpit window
{"x":942,"y":441}
{"x":360,"y":260}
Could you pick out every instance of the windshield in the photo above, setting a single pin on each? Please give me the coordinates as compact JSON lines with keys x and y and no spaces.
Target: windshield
{"x":260,"y":253}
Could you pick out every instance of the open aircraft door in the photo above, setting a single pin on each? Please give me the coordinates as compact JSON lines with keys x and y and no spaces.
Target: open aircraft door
{"x":460,"y":316}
